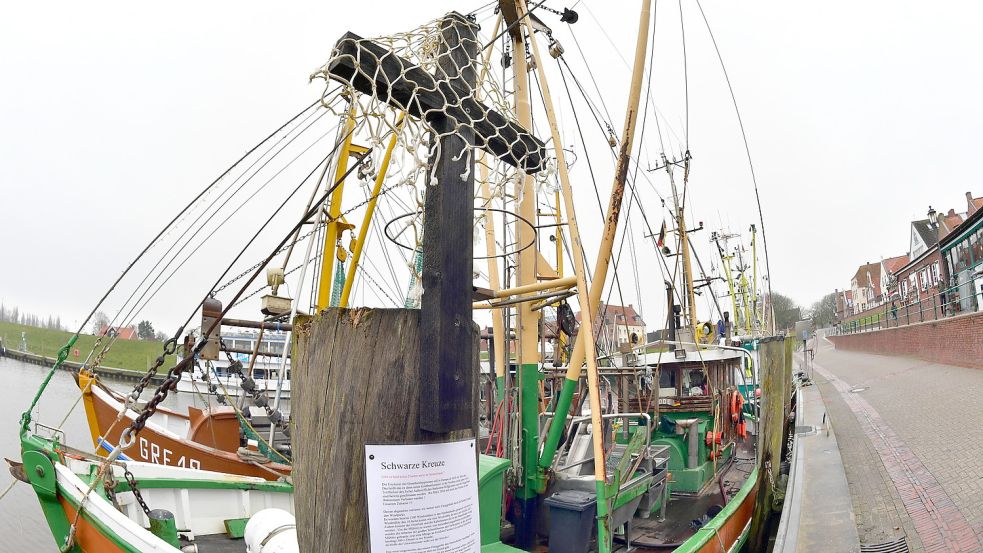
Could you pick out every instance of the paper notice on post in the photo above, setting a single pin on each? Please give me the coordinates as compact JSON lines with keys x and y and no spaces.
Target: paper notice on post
{"x":423,"y":498}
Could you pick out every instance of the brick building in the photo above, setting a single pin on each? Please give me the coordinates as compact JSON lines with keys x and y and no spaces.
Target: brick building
{"x":962,"y":254}
{"x":618,"y":325}
{"x":844,"y":303}
{"x":121,"y":332}
{"x":866,"y":287}
{"x":889,"y":282}
{"x":920,"y":282}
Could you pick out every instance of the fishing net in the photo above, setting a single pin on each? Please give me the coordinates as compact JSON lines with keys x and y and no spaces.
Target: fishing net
{"x":434,"y":87}
{"x":439,"y":77}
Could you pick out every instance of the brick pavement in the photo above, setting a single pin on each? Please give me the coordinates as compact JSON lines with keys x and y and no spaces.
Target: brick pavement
{"x":907,"y":443}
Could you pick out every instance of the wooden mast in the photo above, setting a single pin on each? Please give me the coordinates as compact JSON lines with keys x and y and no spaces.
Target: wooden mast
{"x":527,"y":321}
{"x":589,"y":308}
{"x":494,"y":279}
{"x":684,"y":260}
{"x":583,"y":294}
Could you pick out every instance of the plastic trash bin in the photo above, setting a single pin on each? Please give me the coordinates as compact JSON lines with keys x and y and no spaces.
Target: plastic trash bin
{"x":572,"y":521}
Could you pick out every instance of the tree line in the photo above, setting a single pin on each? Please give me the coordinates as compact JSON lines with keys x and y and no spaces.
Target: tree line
{"x":145,"y":329}
{"x":787,"y":312}
{"x":16,"y":316}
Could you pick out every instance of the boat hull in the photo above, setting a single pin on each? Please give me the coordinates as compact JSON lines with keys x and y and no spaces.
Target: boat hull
{"x":728,"y":531}
{"x":167,"y":446}
{"x":200,"y":500}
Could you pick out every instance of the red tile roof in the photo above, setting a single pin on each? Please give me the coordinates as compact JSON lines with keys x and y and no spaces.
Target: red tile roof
{"x":123,"y":332}
{"x":952,"y":220}
{"x":612,"y":312}
{"x":873,"y":270}
{"x":892,"y":264}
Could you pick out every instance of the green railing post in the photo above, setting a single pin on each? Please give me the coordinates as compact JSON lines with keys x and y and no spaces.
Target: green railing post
{"x":935,"y":304}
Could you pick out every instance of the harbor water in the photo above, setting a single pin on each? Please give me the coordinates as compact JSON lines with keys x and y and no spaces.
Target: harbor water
{"x":22,"y":526}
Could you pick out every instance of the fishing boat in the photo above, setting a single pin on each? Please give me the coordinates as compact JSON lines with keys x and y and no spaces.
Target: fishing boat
{"x":207,"y":439}
{"x":259,"y":358}
{"x":94,"y":507}
{"x":656,"y":450}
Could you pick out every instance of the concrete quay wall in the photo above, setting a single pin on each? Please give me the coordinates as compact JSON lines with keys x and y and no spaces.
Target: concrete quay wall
{"x":953,"y":341}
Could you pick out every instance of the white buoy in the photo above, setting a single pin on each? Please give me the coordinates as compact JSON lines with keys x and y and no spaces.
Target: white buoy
{"x":271,"y":531}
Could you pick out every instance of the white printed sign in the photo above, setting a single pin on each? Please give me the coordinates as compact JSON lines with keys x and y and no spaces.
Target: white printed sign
{"x":423,"y":498}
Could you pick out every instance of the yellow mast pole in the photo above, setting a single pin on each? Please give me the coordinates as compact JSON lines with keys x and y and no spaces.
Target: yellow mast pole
{"x":367,"y":218}
{"x":730,"y":280}
{"x":754,"y":280}
{"x":687,"y":265}
{"x":744,"y":297}
{"x":527,"y":321}
{"x":334,"y":213}
{"x":494,"y":279}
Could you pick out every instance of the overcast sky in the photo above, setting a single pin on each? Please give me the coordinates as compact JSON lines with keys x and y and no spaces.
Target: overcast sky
{"x":859,"y":115}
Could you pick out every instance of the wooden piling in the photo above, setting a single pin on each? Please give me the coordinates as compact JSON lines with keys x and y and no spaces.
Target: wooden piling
{"x":356,"y":381}
{"x":774,"y":383}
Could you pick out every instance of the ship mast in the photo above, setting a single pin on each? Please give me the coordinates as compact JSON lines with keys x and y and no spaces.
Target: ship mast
{"x":589,"y":299}
{"x":687,"y":268}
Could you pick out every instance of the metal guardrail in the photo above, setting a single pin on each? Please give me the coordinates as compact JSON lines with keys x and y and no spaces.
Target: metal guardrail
{"x":947,"y":303}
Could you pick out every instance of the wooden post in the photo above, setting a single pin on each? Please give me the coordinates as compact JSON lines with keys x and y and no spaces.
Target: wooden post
{"x":770,"y":433}
{"x":355,"y":383}
{"x":445,"y":335}
{"x":445,"y":100}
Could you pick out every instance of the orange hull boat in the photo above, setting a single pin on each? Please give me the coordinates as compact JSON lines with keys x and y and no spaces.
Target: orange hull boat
{"x":202,"y":439}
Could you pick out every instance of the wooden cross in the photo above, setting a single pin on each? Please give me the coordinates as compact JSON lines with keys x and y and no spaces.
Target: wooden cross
{"x":445,"y":100}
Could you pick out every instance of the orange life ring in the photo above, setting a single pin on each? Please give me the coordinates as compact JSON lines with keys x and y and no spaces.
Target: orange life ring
{"x":736,"y":405}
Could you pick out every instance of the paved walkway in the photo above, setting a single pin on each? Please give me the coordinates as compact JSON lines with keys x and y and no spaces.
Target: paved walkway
{"x":909,"y":434}
{"x":818,"y":511}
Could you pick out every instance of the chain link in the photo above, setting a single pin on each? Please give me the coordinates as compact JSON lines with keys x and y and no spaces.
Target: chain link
{"x":136,"y":491}
{"x":248,"y":385}
{"x":170,"y":347}
{"x":250,"y":270}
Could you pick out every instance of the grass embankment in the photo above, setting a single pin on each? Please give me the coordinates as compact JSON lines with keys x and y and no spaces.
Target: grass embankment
{"x":864,"y":321}
{"x":134,"y":355}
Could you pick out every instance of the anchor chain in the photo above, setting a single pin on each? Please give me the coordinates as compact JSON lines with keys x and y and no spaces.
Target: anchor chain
{"x":259,"y":398}
{"x":170,"y":347}
{"x":131,"y":480}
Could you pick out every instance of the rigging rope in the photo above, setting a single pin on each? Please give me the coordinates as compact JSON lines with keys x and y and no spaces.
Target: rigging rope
{"x":63,"y":352}
{"x":134,"y":312}
{"x":747,"y":150}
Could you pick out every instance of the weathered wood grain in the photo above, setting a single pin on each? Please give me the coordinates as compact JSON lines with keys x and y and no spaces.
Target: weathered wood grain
{"x":355,"y":382}
{"x":448,"y":243}
{"x":771,"y":431}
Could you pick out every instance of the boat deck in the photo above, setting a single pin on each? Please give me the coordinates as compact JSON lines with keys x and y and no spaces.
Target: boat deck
{"x":219,"y":543}
{"x":683,"y":511}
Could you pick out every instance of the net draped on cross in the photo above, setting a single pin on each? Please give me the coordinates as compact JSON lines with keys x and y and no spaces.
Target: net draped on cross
{"x":425,"y":85}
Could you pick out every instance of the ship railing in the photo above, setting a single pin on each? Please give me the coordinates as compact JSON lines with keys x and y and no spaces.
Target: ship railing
{"x":548,"y":416}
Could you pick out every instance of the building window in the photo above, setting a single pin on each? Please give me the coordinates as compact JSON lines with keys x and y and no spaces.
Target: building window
{"x":977,"y":246}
